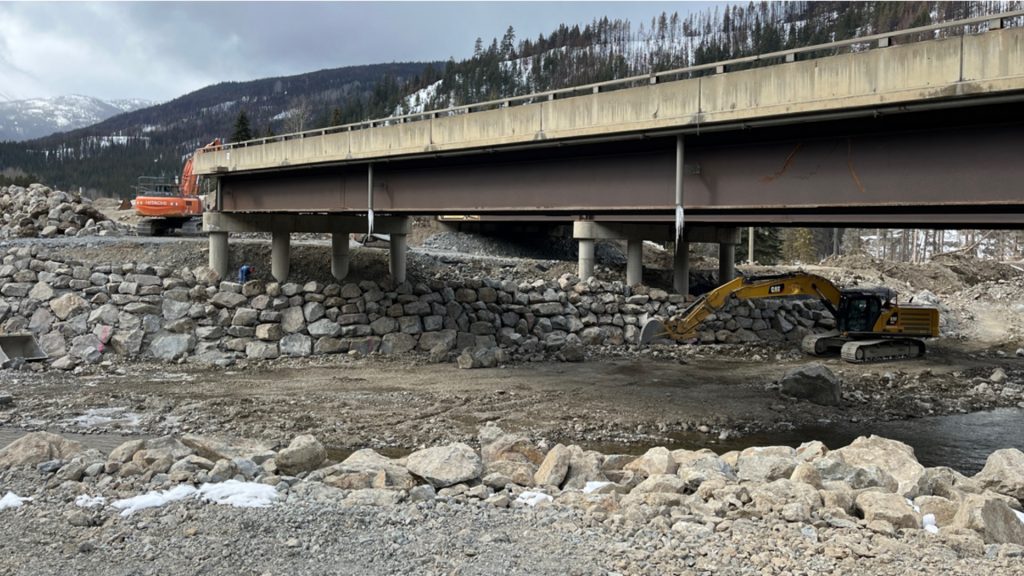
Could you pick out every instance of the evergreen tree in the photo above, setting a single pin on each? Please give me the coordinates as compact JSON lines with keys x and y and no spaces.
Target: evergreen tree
{"x":336,"y":118}
{"x":242,"y":131}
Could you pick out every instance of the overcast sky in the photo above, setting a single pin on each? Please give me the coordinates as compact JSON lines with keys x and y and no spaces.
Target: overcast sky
{"x":161,"y":50}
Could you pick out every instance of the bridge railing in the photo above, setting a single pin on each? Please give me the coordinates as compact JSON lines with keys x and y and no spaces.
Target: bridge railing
{"x":882,"y":40}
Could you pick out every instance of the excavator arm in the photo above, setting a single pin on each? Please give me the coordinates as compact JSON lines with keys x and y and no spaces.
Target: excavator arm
{"x":189,"y":182}
{"x":684,"y":326}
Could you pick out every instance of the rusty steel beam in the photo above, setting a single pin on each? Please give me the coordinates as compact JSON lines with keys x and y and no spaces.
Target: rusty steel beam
{"x":953,"y":171}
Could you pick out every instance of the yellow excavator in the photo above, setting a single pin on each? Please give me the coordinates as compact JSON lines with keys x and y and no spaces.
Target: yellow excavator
{"x":870,"y":325}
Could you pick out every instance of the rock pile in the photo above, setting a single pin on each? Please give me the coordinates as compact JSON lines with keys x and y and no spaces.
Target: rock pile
{"x":873,"y":485}
{"x":38,"y":211}
{"x":81,"y":314}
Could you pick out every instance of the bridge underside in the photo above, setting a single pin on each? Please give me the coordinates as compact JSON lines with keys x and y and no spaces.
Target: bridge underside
{"x":946,"y":168}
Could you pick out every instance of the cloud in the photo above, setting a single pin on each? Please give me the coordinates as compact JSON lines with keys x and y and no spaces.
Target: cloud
{"x":161,"y":50}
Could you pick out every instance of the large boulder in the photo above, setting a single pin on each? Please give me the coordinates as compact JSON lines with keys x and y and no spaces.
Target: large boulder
{"x":813,"y":382}
{"x":496,"y":445}
{"x":584,"y":467}
{"x":553,"y":468}
{"x":366,"y":469}
{"x":766,"y":463}
{"x":891,"y":508}
{"x":305,"y":453}
{"x":443,"y":466}
{"x":1004,"y":473}
{"x":36,"y":447}
{"x":892,"y":456}
{"x":169,"y":346}
{"x":795,"y":501}
{"x":657,"y":460}
{"x":68,"y":305}
{"x":990,"y":517}
{"x":661,"y":483}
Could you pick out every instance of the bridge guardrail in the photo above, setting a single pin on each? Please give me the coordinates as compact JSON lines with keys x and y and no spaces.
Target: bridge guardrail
{"x":883,"y":39}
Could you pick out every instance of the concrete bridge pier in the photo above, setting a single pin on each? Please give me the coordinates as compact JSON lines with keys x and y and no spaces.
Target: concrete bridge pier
{"x":219,"y":253}
{"x":339,"y":255}
{"x":399,"y":250}
{"x":726,"y":262}
{"x":280,"y":255}
{"x":681,"y":268}
{"x":586,"y":268}
{"x":634,"y":261}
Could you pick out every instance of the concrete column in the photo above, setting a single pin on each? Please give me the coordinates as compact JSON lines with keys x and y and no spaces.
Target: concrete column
{"x":219,"y":254}
{"x":339,"y":255}
{"x":398,"y":248}
{"x":681,"y":268}
{"x":726,"y":262}
{"x":634,"y":261}
{"x":586,"y":258}
{"x":280,"y":256}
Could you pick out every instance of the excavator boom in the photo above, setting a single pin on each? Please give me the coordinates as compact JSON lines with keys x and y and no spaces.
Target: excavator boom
{"x":684,"y":327}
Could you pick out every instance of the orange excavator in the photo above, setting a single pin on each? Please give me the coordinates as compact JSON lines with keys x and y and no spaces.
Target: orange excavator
{"x":167,"y":205}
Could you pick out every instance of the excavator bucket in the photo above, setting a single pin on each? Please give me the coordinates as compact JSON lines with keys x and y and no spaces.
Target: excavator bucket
{"x":20,"y":346}
{"x":653,"y":329}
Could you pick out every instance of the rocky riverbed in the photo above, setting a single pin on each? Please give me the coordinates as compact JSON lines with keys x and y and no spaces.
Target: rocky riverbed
{"x":195,"y":503}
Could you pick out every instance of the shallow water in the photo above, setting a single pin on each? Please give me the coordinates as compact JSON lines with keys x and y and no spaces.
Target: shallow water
{"x":960,"y":441}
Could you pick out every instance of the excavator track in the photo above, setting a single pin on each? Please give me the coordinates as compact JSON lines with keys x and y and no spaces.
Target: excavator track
{"x":885,"y":349}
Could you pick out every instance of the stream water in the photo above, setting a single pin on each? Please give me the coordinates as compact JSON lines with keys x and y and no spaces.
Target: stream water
{"x":960,"y":441}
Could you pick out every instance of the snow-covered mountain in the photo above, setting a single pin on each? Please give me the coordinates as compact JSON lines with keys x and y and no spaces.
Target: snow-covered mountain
{"x":37,"y":117}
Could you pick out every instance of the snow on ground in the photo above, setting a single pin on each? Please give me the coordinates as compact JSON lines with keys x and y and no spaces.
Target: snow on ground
{"x":232,"y":493}
{"x":12,"y":500}
{"x":86,"y":501}
{"x":153,"y":499}
{"x":595,"y":486}
{"x":239,"y":494}
{"x":533,"y":498}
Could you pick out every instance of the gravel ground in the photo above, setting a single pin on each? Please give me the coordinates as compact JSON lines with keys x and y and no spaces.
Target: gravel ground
{"x":313,"y":532}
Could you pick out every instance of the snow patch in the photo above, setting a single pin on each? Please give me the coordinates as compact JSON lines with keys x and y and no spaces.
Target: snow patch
{"x":1020,"y":516}
{"x":115,"y":416}
{"x":533,"y":498}
{"x":232,"y":493}
{"x":928,"y":523}
{"x":12,"y":500}
{"x":239,"y":494}
{"x":594,"y":486}
{"x":154,"y":499}
{"x":86,"y":501}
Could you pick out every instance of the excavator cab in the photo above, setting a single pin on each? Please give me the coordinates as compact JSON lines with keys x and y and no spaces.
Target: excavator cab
{"x":858,"y":312}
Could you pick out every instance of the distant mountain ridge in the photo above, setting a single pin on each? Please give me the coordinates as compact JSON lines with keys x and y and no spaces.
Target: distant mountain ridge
{"x":38,"y":117}
{"x":107,"y":157}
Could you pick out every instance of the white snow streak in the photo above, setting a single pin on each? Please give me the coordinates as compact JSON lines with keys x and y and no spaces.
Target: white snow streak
{"x":232,"y":493}
{"x":239,"y":494}
{"x":533,"y":498}
{"x":86,"y":501}
{"x":12,"y":500}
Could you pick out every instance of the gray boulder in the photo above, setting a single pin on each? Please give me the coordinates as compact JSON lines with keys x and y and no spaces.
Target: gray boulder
{"x":445,"y":465}
{"x":813,"y":382}
{"x":305,"y":453}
